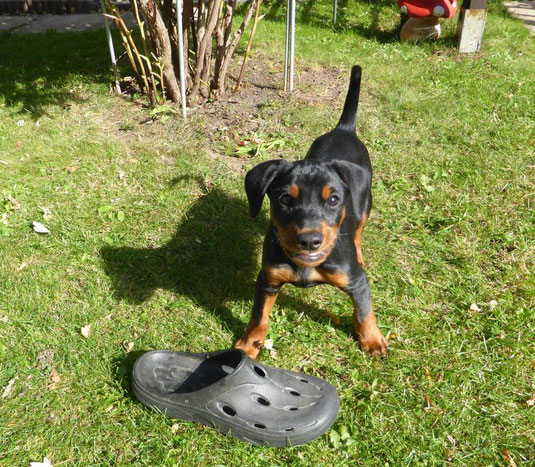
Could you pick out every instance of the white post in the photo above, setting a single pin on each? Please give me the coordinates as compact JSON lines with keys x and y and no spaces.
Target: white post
{"x":181,"y":56}
{"x":292,"y":44}
{"x":287,"y":52}
{"x":110,"y":46}
{"x":470,"y":29}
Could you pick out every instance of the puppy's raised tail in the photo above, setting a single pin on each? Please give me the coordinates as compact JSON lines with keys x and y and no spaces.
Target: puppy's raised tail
{"x":348,"y":120}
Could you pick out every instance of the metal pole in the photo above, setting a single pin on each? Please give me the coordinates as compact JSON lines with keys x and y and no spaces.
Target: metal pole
{"x":181,"y":56}
{"x":335,"y":11}
{"x":110,"y":46}
{"x":292,"y":45}
{"x":287,"y":52}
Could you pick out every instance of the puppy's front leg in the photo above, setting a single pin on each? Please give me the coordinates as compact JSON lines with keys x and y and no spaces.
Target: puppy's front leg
{"x":370,"y":337}
{"x":255,"y":334}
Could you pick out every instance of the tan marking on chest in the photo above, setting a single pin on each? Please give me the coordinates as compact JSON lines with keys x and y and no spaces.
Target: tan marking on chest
{"x":337,"y":279}
{"x":279,"y":275}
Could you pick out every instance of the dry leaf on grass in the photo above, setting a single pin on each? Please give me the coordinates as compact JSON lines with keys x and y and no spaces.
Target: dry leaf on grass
{"x":9,"y":388}
{"x":429,"y":379}
{"x":46,"y":463}
{"x":86,"y":330}
{"x":334,"y":318}
{"x":47,"y":215}
{"x":474,"y":308}
{"x":128,"y":346}
{"x":55,"y":377}
{"x":14,"y":203}
{"x":531,"y":402}
{"x":429,"y":406}
{"x":40,"y":228}
{"x":428,"y":403}
{"x":507,"y":456}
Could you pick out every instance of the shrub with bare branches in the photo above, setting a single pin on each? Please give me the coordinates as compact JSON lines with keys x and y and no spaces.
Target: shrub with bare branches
{"x":210,"y":41}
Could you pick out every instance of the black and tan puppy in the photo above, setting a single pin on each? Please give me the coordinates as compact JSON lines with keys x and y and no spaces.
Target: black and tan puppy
{"x":319,"y":206}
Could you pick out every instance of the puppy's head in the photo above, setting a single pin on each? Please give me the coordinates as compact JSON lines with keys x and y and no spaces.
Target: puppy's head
{"x":309,"y":202}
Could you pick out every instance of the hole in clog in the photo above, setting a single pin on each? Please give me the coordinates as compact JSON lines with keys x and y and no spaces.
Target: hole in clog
{"x":259,"y":371}
{"x":293,"y":392}
{"x":304,"y":380}
{"x":199,"y":373}
{"x":228,"y":410}
{"x":291,"y":408}
{"x":262,"y":400}
{"x":289,"y":429}
{"x":259,"y":425}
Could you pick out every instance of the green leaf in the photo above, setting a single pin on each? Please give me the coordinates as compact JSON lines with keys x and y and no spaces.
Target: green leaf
{"x":344,"y":433}
{"x":334,"y":437}
{"x":425,"y":181}
{"x":104,"y":209}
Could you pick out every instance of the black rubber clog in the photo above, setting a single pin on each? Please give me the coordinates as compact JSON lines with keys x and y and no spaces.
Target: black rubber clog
{"x":232,"y":392}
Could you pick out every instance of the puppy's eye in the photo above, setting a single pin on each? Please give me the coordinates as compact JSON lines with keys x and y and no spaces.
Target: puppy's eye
{"x":286,"y":200}
{"x":333,"y":201}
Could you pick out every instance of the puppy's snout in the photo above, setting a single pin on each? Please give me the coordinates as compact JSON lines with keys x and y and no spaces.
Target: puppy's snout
{"x":310,"y":241}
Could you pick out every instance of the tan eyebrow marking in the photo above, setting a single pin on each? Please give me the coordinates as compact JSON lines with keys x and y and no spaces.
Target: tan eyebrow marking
{"x":326,"y":192}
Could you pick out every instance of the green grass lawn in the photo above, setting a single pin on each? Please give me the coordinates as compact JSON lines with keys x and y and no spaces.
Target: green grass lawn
{"x":150,"y":245}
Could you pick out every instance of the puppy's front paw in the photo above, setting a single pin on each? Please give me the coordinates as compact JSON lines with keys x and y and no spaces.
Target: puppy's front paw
{"x":374,"y":343}
{"x":251,"y":348}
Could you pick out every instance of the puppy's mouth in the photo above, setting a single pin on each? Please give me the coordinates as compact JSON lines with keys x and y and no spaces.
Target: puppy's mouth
{"x":311,"y":257}
{"x":308,"y":259}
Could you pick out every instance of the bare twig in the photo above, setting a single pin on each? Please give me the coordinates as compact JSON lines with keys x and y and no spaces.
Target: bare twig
{"x":218,"y":87}
{"x":248,"y":49}
{"x":145,"y":51}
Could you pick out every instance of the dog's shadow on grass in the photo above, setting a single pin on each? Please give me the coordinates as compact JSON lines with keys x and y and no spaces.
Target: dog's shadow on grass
{"x":213,"y":258}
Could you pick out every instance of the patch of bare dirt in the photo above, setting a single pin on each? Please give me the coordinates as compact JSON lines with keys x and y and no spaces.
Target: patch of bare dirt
{"x":259,"y":107}
{"x":263,"y":86}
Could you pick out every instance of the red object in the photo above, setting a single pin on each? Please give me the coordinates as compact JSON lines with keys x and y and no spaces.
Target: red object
{"x":425,"y":8}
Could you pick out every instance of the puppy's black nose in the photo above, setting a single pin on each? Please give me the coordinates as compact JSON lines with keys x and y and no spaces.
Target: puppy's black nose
{"x":310,"y":240}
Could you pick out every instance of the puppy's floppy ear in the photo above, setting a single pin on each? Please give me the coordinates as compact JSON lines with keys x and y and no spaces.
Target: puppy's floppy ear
{"x":257,"y":182}
{"x":358,"y":181}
